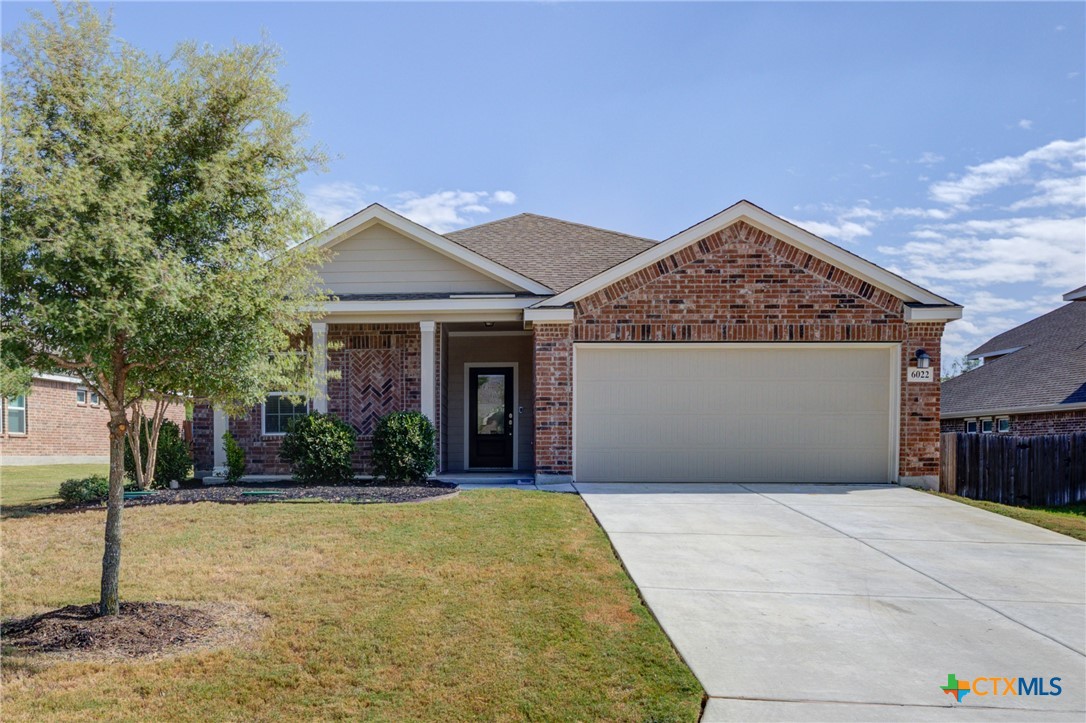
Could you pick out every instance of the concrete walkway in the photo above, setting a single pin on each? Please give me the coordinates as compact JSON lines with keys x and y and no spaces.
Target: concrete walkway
{"x":811,"y":603}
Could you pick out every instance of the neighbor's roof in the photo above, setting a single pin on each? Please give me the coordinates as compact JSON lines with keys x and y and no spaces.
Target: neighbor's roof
{"x":1048,"y":368}
{"x":556,"y":253}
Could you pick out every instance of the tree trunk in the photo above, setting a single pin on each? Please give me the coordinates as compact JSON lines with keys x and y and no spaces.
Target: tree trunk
{"x":111,"y":560}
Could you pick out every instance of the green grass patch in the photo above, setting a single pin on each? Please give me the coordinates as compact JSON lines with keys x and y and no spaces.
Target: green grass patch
{"x":1068,"y":520}
{"x":38,"y":485}
{"x":494,"y":605}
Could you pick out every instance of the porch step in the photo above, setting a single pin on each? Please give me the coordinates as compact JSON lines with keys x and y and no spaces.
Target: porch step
{"x":468,"y":478}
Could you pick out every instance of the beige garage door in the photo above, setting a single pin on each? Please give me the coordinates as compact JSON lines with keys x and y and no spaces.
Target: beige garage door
{"x":763,"y":413}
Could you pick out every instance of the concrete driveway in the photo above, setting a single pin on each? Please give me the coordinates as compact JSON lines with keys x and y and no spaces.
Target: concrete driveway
{"x":823,"y":602}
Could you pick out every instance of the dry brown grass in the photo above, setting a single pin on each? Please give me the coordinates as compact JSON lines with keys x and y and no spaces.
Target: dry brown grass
{"x":499,"y":604}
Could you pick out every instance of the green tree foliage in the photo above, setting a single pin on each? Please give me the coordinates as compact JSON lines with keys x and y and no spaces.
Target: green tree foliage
{"x":318,"y":447}
{"x":959,"y":367}
{"x":403,"y":447}
{"x":148,"y":204}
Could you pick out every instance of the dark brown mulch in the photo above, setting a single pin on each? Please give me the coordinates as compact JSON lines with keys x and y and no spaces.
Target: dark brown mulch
{"x":142,"y":628}
{"x":287,"y":491}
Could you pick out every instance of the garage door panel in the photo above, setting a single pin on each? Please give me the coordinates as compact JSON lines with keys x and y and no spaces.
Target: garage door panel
{"x":751,"y":414}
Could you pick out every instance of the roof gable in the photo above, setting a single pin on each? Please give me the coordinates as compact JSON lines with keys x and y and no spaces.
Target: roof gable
{"x":376,"y":214}
{"x":1048,"y":369}
{"x":934,"y":306}
{"x":554,"y":252}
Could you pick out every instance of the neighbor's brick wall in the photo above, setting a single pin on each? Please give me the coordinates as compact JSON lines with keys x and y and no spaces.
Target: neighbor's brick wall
{"x":203,"y":424}
{"x":1030,"y":425}
{"x":57,"y":426}
{"x":740,"y":284}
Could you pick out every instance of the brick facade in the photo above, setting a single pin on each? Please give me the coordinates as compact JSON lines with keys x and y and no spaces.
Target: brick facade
{"x":374,"y":369}
{"x":737,"y":285}
{"x":1031,"y":425}
{"x":60,"y":429}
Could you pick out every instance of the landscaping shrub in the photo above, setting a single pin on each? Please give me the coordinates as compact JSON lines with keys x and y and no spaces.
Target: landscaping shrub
{"x":403,"y":447}
{"x":88,"y":489}
{"x":173,"y":461}
{"x":318,"y":447}
{"x":235,"y":457}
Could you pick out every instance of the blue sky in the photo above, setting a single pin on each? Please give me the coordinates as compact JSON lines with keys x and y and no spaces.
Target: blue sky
{"x":946,"y":142}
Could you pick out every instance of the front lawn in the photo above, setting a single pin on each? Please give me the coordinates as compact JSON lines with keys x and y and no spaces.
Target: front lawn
{"x":1069,"y":520}
{"x":498,"y":604}
{"x":33,"y":486}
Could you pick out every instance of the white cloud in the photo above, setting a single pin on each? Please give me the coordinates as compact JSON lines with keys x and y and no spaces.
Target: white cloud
{"x":1070,"y":192}
{"x":843,"y":231}
{"x":930,"y":158}
{"x":446,"y":211}
{"x":1025,"y":124}
{"x":1010,"y":170}
{"x":1006,"y":261}
{"x":337,"y":200}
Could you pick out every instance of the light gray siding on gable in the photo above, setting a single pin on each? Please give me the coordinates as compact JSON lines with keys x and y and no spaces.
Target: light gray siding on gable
{"x":379,"y":260}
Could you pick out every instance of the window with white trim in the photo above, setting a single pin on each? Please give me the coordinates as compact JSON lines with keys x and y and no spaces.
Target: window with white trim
{"x":279,"y":410}
{"x":80,"y":395}
{"x":986,"y":426}
{"x":971,"y":426}
{"x":1003,"y":424}
{"x":94,"y":399}
{"x":16,"y":417}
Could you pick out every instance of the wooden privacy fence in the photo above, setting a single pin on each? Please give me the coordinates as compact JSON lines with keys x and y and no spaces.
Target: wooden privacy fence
{"x":1048,"y":470}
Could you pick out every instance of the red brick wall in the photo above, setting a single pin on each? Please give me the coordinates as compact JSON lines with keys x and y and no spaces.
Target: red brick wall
{"x":379,"y":368}
{"x":740,"y":284}
{"x":57,"y":426}
{"x":553,"y":395}
{"x":1030,"y":425}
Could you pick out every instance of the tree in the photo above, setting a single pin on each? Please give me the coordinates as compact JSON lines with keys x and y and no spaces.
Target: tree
{"x":959,"y":367}
{"x":148,"y":211}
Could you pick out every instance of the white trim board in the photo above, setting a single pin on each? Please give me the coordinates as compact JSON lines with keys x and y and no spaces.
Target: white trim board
{"x":377,"y":214}
{"x":468,"y":366}
{"x":774,"y":225}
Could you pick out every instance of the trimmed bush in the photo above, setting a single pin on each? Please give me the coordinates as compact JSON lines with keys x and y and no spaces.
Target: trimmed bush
{"x":318,"y":447}
{"x":173,"y":461}
{"x":403,"y":447}
{"x":235,"y":458}
{"x":88,"y":489}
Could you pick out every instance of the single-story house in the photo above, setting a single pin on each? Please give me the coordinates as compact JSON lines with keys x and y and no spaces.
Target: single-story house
{"x":1031,"y":381}
{"x":742,"y":349}
{"x":58,"y":421}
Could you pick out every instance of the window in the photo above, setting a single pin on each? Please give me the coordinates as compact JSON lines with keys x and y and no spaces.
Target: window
{"x":80,"y":396}
{"x":971,"y":426}
{"x":278,"y":411}
{"x":985,"y":426}
{"x":1003,"y":424}
{"x":94,"y":399}
{"x":17,"y":415}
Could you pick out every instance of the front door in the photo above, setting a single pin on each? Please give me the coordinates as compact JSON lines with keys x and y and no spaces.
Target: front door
{"x":490,"y":417}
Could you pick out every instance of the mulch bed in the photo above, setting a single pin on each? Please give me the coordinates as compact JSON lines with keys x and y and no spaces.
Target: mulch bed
{"x":286,"y":491}
{"x":143,"y":629}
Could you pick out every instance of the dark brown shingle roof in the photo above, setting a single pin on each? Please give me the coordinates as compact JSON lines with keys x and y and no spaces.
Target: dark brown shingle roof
{"x":557,"y":253}
{"x":1048,"y":368}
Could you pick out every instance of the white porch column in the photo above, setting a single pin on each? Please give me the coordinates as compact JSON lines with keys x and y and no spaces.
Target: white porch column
{"x":429,"y":370}
{"x":320,"y":366}
{"x":219,"y":426}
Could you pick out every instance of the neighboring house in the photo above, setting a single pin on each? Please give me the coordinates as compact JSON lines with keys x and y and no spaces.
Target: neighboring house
{"x":742,"y":349}
{"x":1032,"y":379}
{"x":59,"y":421}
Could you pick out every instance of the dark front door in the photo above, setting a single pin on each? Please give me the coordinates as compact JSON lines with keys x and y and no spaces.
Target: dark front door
{"x":490,"y":417}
